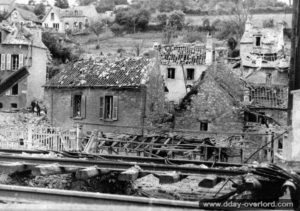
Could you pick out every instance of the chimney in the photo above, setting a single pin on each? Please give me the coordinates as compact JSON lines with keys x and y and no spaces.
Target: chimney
{"x":248,"y":25}
{"x":209,"y":50}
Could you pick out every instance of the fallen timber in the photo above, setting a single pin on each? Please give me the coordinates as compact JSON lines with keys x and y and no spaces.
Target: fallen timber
{"x":119,"y":166}
{"x":27,"y":195}
{"x":122,"y":158}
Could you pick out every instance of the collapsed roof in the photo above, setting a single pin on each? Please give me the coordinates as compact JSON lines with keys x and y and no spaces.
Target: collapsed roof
{"x":194,"y":54}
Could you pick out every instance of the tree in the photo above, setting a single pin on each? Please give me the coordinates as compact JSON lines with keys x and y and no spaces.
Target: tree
{"x":105,"y":5}
{"x":117,"y":29}
{"x":176,"y":19}
{"x":63,"y":4}
{"x":57,"y":50}
{"x":97,"y":26}
{"x":133,"y":19}
{"x":39,"y":10}
{"x":162,"y":19}
{"x":85,"y":2}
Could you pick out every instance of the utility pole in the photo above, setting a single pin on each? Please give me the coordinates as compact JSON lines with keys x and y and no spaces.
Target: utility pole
{"x":294,"y":74}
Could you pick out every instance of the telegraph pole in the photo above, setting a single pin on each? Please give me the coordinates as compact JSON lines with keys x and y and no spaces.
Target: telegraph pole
{"x":294,"y":73}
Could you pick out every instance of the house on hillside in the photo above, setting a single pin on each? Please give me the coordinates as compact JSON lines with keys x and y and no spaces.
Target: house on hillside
{"x":182,"y":65}
{"x":52,"y":20}
{"x":22,"y":16}
{"x":78,"y":18}
{"x":23,"y":66}
{"x":214,"y":103}
{"x":265,"y":64}
{"x":106,"y":95}
{"x":7,"y":5}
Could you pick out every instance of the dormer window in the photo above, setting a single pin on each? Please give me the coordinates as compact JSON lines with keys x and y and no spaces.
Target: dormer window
{"x":258,"y":41}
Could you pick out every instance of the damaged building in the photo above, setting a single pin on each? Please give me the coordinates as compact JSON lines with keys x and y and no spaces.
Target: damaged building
{"x":214,"y":103}
{"x":105,"y":94}
{"x":181,"y":65}
{"x":23,"y":66}
{"x":265,"y":65}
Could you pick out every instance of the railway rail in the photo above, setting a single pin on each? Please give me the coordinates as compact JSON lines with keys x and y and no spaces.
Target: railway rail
{"x":119,"y":165}
{"x":140,"y":159}
{"x":40,"y":196}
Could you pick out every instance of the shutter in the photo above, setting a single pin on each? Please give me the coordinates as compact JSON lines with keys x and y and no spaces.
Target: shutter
{"x":115,"y":108}
{"x":101,"y":110}
{"x":8,"y":61}
{"x":72,"y":106}
{"x":21,"y":59}
{"x":83,"y":106}
{"x":2,"y":61}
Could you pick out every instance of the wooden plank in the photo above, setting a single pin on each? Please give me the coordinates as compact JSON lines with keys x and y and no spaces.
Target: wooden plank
{"x":166,"y":142}
{"x":128,"y":144}
{"x":169,"y":177}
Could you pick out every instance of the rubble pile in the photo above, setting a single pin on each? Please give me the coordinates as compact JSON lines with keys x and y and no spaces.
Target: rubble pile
{"x":22,"y":119}
{"x":187,"y":189}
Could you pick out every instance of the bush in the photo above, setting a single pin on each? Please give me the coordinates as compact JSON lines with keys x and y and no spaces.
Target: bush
{"x":117,"y":29}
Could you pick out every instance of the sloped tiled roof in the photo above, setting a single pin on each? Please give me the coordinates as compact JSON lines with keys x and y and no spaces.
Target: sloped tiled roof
{"x":26,"y":14}
{"x":193,"y":54}
{"x":130,"y":72}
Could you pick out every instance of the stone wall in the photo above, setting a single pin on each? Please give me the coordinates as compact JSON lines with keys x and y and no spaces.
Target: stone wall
{"x":130,"y":108}
{"x":211,"y":104}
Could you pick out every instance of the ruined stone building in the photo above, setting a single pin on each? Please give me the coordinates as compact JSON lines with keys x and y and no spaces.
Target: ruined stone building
{"x":23,"y":66}
{"x":182,"y":65}
{"x":265,"y":64}
{"x":106,"y":95}
{"x":22,"y":16}
{"x":214,"y":103}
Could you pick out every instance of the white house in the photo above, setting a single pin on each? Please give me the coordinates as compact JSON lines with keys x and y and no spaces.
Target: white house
{"x":53,"y":20}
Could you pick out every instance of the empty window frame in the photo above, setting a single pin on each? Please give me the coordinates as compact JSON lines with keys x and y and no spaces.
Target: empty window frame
{"x":77,"y":106}
{"x":15,"y":90}
{"x":258,"y":41}
{"x":171,"y":73}
{"x":190,"y":73}
{"x":204,"y":126}
{"x":14,"y":105}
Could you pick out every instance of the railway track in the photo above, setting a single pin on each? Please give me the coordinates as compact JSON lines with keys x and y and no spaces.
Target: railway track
{"x":119,"y":165}
{"x":37,"y":197}
{"x":139,"y":159}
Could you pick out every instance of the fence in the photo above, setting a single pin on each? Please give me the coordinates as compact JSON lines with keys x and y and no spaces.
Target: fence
{"x":233,"y":148}
{"x":40,"y":138}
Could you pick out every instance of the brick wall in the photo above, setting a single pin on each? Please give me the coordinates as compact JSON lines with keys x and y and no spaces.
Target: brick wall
{"x":130,"y":109}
